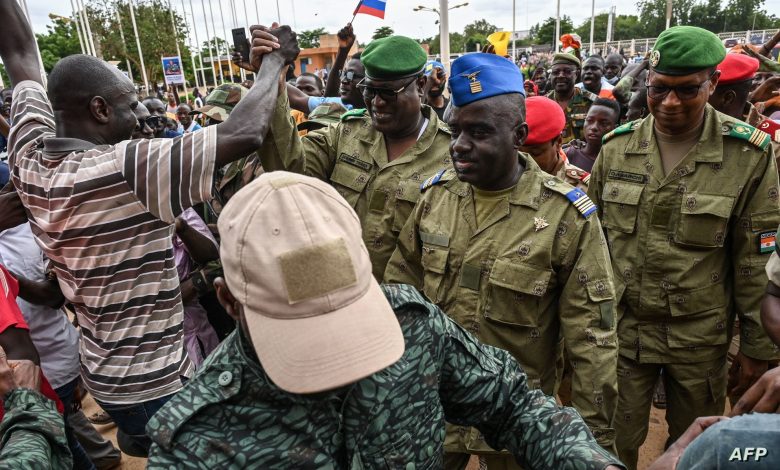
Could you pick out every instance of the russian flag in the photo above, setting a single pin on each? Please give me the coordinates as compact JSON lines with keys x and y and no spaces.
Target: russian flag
{"x":372,"y":7}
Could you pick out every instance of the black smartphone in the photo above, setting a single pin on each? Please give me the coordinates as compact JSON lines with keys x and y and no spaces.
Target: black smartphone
{"x":241,"y":43}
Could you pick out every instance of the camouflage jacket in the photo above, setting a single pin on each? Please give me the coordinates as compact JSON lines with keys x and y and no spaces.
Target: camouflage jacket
{"x":535,"y":271}
{"x":575,"y":112}
{"x":33,"y":433}
{"x":688,"y":248}
{"x":352,"y":156}
{"x":231,"y":416}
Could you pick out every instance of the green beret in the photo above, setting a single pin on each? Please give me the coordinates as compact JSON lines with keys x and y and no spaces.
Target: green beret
{"x":564,"y":58}
{"x":683,"y":50}
{"x":393,"y":57}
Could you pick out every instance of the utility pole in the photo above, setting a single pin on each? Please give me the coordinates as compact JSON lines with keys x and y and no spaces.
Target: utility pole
{"x":138,"y":44}
{"x":124,"y":44}
{"x":444,"y":34}
{"x":557,"y":26}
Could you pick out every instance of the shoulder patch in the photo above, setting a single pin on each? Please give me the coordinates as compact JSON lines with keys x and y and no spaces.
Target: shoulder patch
{"x":620,"y":130}
{"x":740,"y":130}
{"x":770,"y":127}
{"x":576,"y":196}
{"x":354,"y":114}
{"x":442,"y":176}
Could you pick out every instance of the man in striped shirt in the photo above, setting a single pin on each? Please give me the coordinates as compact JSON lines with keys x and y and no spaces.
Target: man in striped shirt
{"x":102,"y":208}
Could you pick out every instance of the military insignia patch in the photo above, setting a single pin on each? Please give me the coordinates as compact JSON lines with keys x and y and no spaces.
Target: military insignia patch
{"x":433,"y":180}
{"x":540,"y":223}
{"x":767,"y":242}
{"x":474,"y":84}
{"x":655,"y":57}
{"x":581,"y":201}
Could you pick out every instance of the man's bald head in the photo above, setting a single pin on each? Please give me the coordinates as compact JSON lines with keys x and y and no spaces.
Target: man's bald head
{"x":92,"y":100}
{"x":76,"y":79}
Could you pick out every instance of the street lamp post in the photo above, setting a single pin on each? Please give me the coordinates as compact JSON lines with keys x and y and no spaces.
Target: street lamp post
{"x":444,"y":29}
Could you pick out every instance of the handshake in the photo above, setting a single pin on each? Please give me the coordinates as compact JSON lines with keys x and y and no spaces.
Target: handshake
{"x":276,"y":41}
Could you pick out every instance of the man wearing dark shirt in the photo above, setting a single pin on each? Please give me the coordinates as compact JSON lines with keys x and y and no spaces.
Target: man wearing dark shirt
{"x":602,"y":117}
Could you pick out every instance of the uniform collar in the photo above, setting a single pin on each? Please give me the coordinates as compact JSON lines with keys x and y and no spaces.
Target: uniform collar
{"x":710,"y":144}
{"x":66,"y":145}
{"x":526,"y":192}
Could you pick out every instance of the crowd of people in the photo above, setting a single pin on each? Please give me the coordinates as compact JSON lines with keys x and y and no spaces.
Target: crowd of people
{"x":393,"y":265}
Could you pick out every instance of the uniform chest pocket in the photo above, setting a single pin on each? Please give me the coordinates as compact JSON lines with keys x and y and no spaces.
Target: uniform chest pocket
{"x":703,"y":220}
{"x":434,"y":262}
{"x":516,"y":291}
{"x":406,"y":196}
{"x":348,"y":176}
{"x":620,"y":206}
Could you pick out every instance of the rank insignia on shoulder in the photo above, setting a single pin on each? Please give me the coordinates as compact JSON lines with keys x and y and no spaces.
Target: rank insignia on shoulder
{"x":767,"y":242}
{"x":354,"y":114}
{"x":744,"y":131}
{"x":439,"y":177}
{"x":581,"y":201}
{"x":620,"y":130}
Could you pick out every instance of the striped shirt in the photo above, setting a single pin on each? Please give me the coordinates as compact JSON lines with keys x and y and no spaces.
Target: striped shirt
{"x":103,"y":215}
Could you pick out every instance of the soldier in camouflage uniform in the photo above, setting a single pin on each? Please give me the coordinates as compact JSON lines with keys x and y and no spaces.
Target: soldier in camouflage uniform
{"x":512,"y":254}
{"x":328,"y":370}
{"x":377,"y":157}
{"x":688,"y":199}
{"x":574,"y":101}
{"x":546,"y":123}
{"x":32,"y":431}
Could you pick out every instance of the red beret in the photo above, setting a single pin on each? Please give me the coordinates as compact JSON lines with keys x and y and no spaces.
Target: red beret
{"x":545,"y":120}
{"x":737,"y":68}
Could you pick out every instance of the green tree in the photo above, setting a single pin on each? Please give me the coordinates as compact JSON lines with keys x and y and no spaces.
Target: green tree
{"x":741,"y":15}
{"x":544,"y":33}
{"x":310,"y":38}
{"x":623,"y":27}
{"x":60,"y":40}
{"x":158,"y":38}
{"x":707,"y":15}
{"x":652,"y":15}
{"x":479,"y":28}
{"x":457,"y":44}
{"x":383,"y":32}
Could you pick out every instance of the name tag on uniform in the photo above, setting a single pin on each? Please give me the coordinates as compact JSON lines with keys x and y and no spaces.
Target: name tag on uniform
{"x":627,"y":176}
{"x":767,"y":242}
{"x":354,"y":161}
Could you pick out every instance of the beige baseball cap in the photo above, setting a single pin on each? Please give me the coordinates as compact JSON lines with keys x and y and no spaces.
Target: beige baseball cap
{"x":294,"y":258}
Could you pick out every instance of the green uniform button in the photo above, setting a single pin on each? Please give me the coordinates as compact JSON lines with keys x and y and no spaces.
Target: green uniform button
{"x":225,"y":378}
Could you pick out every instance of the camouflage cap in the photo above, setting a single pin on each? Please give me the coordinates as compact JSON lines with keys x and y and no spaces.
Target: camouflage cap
{"x":322,"y":116}
{"x":221,"y":101}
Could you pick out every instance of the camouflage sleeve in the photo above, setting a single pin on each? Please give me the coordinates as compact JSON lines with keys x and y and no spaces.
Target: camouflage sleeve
{"x":586,"y":308}
{"x":758,"y":216}
{"x":179,"y":456}
{"x":405,"y":265}
{"x":313,"y":155}
{"x":622,"y":89}
{"x":485,"y":387}
{"x":33,"y":433}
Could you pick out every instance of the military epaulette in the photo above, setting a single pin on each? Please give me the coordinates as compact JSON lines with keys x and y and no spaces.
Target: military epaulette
{"x":620,"y":130}
{"x":579,"y":174}
{"x":439,"y":177}
{"x":743,"y":131}
{"x":576,"y":196}
{"x":354,"y":114}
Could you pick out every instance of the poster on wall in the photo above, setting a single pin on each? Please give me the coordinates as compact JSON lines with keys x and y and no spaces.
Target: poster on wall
{"x":173,"y":70}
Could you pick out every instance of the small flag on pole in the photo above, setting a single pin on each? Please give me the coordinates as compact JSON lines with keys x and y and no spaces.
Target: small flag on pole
{"x":372,"y":7}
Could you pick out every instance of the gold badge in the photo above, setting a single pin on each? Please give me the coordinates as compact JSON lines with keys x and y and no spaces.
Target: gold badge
{"x":655,"y":57}
{"x":540,"y":223}
{"x":474,"y":84}
{"x":742,"y":129}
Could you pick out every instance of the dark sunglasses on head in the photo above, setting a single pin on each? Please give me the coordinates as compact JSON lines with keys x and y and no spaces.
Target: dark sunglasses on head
{"x":386,"y":94}
{"x":683,"y":92}
{"x":349,"y":76}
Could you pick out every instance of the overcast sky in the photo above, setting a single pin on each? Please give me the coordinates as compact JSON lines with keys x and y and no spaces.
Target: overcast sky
{"x":333,"y":14}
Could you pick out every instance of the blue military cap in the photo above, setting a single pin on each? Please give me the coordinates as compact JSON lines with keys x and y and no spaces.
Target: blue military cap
{"x":430,"y":65}
{"x":477,"y":76}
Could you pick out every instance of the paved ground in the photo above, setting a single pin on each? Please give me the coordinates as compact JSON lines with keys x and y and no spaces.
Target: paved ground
{"x":653,"y":446}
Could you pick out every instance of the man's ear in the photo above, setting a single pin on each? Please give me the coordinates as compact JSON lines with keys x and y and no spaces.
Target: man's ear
{"x":100,"y":109}
{"x":521,"y":133}
{"x":226,"y":299}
